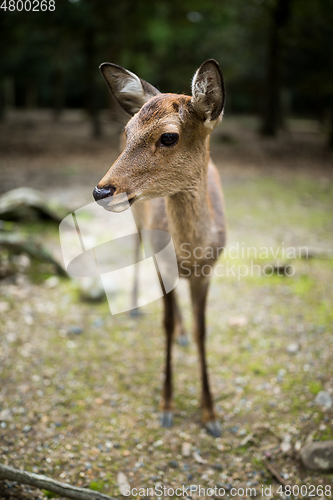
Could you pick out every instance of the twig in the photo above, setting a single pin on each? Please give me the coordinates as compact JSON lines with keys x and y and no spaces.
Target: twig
{"x":46,"y":483}
{"x":275,"y":473}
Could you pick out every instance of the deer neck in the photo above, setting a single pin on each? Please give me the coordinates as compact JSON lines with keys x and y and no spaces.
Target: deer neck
{"x":188,"y":212}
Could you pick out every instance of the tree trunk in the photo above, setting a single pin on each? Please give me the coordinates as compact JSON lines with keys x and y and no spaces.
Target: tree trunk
{"x":31,"y":96}
{"x":330,"y":129}
{"x":59,"y":92}
{"x":272,"y":116}
{"x":2,"y":101}
{"x":92,"y":103}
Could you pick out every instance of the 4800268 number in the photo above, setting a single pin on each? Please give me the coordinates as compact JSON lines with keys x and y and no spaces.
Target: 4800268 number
{"x":306,"y":491}
{"x":28,"y":5}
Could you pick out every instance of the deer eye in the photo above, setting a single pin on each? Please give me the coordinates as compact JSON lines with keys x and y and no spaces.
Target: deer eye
{"x":169,"y":139}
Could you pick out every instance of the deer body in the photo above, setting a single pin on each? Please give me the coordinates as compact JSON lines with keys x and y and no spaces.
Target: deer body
{"x":165,"y":170}
{"x":192,"y":220}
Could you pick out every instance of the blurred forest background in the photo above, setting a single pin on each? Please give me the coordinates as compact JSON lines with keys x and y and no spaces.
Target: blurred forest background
{"x":276,"y":55}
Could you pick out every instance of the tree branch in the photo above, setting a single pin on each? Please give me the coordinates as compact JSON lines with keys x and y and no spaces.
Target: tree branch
{"x":46,"y":483}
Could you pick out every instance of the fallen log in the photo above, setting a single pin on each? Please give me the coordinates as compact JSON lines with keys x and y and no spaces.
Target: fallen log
{"x":17,"y":243}
{"x":46,"y":483}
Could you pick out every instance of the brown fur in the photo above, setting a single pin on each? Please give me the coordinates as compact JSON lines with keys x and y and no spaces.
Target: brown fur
{"x":177,"y":189}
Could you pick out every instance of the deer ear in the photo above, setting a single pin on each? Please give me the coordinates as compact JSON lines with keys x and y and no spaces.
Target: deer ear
{"x":208,"y":94}
{"x":129,"y":90}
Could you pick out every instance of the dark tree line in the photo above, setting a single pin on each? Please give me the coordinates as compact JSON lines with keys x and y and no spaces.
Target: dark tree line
{"x":265,"y":47}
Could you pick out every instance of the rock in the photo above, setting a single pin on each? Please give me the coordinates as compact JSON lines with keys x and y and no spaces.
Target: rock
{"x":173,"y":464}
{"x":324,"y":398}
{"x":286,"y":443}
{"x":318,"y":456}
{"x":4,"y":307}
{"x":71,"y":345}
{"x":29,"y":204}
{"x":98,"y":322}
{"x":52,"y":282}
{"x":198,"y":458}
{"x":22,"y":262}
{"x":123,"y":483}
{"x":281,"y":375}
{"x":11,"y":338}
{"x":293,"y":348}
{"x":75,"y":330}
{"x":186,"y":449}
{"x":285,"y":446}
{"x":217,"y":467}
{"x":91,"y":289}
{"x":238,"y":321}
{"x":5,"y":415}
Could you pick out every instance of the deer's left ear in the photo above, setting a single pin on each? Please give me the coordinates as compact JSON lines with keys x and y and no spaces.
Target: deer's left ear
{"x":208,"y":94}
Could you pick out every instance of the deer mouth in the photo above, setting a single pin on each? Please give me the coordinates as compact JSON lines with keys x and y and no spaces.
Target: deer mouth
{"x":118,"y":203}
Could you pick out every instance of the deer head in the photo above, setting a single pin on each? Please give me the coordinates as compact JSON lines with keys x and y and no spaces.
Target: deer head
{"x":166,"y":148}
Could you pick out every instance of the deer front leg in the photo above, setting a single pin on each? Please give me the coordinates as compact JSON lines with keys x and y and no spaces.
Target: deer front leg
{"x":134,"y":311}
{"x":199,"y":291}
{"x":180,"y":333}
{"x":169,"y":326}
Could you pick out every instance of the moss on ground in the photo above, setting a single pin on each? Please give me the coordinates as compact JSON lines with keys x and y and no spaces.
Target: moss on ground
{"x":84,"y":407}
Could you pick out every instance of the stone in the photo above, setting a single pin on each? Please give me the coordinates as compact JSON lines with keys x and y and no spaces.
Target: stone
{"x":186,"y":449}
{"x":29,"y":204}
{"x":217,"y":467}
{"x":52,"y":282}
{"x":91,"y":289}
{"x":75,"y":330}
{"x":292,"y":348}
{"x":318,"y":456}
{"x":238,"y":321}
{"x":123,"y":483}
{"x":198,"y":458}
{"x":324,"y":398}
{"x":5,"y":415}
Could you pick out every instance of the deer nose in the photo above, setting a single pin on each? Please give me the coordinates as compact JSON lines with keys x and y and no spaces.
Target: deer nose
{"x":101,"y":193}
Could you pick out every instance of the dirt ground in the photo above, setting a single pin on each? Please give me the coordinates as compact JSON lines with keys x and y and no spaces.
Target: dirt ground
{"x":80,"y":388}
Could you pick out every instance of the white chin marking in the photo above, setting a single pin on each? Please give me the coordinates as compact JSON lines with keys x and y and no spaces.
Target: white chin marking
{"x":118,"y":207}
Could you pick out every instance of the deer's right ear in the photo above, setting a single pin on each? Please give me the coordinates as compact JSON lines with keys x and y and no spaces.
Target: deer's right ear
{"x":129,"y":90}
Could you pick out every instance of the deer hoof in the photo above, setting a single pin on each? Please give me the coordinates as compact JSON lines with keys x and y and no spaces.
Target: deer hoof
{"x":213,"y":428}
{"x":183,"y":340}
{"x":166,"y":419}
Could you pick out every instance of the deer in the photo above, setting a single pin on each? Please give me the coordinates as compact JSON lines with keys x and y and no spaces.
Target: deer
{"x":165,"y":168}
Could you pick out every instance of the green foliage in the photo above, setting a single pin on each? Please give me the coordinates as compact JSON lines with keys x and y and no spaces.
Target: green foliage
{"x":55,"y":55}
{"x":50,"y":494}
{"x":315,"y":387}
{"x":96,"y":485}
